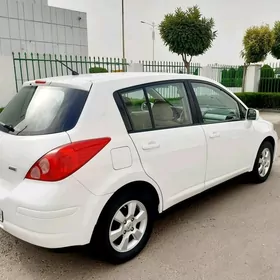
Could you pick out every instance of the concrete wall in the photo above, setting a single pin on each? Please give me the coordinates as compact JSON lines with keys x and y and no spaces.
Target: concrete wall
{"x":7,"y":80}
{"x":33,"y":26}
{"x":252,"y":79}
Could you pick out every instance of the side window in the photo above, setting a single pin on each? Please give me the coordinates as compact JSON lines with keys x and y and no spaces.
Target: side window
{"x":215,"y":104}
{"x":135,"y":103}
{"x":158,"y":107}
{"x":169,"y":105}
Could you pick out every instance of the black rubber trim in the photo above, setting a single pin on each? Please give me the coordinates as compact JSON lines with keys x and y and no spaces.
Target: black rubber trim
{"x":126,"y":118}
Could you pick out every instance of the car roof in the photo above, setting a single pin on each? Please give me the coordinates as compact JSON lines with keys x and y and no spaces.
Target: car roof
{"x":106,"y":77}
{"x":119,"y":80}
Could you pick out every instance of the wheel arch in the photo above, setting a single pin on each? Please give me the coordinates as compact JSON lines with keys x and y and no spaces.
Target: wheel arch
{"x":269,"y":139}
{"x":140,"y":186}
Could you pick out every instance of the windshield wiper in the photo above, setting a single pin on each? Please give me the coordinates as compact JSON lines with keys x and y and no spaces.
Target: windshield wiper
{"x":8,"y":127}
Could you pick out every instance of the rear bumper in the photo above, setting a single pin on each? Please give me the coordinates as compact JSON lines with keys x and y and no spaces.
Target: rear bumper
{"x":50,"y":215}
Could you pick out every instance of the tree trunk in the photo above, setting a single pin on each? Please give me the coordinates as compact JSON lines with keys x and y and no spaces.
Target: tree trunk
{"x":187,"y":63}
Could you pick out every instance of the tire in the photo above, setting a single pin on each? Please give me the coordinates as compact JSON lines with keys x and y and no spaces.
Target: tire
{"x":115,"y":250}
{"x":259,"y":175}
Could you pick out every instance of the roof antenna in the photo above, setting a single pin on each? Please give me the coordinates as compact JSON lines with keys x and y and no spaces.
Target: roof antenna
{"x":74,"y":73}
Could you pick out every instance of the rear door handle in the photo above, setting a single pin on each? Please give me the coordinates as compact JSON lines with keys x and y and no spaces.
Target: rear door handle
{"x":214,"y":135}
{"x":150,"y":146}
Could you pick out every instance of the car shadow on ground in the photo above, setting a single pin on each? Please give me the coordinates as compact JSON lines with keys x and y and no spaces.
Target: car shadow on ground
{"x":75,"y":262}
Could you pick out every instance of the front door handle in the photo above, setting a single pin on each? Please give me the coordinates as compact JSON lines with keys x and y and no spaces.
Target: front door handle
{"x":214,"y":135}
{"x":150,"y":146}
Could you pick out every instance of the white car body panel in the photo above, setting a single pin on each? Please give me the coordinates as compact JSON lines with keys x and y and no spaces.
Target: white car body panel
{"x":182,"y":162}
{"x":167,"y":155}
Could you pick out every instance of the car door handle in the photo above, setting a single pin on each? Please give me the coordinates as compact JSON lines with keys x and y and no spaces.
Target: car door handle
{"x":150,"y":146}
{"x":214,"y":135}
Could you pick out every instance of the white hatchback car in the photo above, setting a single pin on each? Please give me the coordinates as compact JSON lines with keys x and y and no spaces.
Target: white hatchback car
{"x":94,"y":158}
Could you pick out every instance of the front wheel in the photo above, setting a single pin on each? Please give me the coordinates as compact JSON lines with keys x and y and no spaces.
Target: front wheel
{"x":263,"y":163}
{"x":124,"y":227}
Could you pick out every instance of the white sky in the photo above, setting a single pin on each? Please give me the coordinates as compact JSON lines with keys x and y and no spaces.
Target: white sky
{"x":232,"y":17}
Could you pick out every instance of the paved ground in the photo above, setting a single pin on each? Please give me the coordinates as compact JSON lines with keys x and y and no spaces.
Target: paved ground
{"x":230,"y":232}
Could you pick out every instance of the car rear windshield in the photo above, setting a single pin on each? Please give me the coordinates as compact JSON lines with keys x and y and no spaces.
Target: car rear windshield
{"x":43,"y":110}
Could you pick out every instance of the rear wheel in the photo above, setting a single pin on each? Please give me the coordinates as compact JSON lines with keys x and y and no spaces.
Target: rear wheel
{"x":263,"y":163}
{"x":124,"y":227}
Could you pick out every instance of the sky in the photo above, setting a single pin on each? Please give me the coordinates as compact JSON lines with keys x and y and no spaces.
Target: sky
{"x":232,"y":18}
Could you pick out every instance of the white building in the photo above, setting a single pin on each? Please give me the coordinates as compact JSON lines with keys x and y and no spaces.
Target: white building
{"x":33,"y":26}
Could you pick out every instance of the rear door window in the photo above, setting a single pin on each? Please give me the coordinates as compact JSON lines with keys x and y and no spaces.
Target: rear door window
{"x":158,"y":106}
{"x":44,"y":110}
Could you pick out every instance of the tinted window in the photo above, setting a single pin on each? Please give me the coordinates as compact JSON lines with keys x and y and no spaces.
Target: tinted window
{"x":44,"y":110}
{"x":215,"y":104}
{"x":163,"y":106}
{"x":137,"y":109}
{"x":170,"y":106}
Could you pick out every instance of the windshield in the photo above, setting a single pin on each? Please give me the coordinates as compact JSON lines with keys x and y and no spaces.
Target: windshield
{"x":43,"y":110}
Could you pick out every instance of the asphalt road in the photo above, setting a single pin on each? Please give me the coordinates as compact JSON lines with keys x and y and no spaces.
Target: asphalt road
{"x":229,"y":232}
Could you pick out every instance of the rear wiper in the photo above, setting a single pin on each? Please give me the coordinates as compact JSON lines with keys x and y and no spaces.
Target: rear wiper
{"x":8,"y":127}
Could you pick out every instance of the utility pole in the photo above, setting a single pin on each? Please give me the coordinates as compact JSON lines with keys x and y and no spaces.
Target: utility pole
{"x":153,"y":25}
{"x":123,"y":35}
{"x":153,"y":38}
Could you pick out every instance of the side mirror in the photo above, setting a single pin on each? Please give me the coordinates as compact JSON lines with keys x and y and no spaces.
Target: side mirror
{"x":252,"y":114}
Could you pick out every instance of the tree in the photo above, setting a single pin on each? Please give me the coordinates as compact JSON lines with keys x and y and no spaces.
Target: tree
{"x":257,"y":43}
{"x":187,"y":33}
{"x":275,"y":49}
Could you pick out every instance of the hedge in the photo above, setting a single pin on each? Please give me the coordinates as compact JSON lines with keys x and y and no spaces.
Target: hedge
{"x":260,"y":100}
{"x":267,"y":72}
{"x":232,"y":77}
{"x":94,"y":70}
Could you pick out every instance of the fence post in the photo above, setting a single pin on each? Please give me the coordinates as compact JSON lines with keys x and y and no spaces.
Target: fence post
{"x":135,"y":67}
{"x":206,"y":71}
{"x":252,"y":78}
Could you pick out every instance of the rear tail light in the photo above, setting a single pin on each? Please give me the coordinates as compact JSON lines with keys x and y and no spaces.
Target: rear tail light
{"x":63,"y":161}
{"x":40,"y":82}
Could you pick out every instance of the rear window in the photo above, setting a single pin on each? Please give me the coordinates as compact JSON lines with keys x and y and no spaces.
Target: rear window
{"x":43,"y":110}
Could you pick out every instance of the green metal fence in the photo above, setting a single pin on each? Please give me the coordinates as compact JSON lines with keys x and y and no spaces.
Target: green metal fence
{"x":36,"y":66}
{"x":230,"y":76}
{"x":270,"y":78}
{"x":169,"y":67}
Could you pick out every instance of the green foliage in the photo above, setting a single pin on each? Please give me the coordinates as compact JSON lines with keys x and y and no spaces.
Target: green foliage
{"x":1,"y":109}
{"x":260,"y":100}
{"x":232,"y":77}
{"x":94,"y":70}
{"x":196,"y":72}
{"x":239,"y":76}
{"x":267,"y":72}
{"x":187,"y":33}
{"x":275,"y":49}
{"x":257,"y":43}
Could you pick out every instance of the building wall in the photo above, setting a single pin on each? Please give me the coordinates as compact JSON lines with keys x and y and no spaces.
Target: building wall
{"x":7,"y":80}
{"x":33,"y":26}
